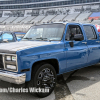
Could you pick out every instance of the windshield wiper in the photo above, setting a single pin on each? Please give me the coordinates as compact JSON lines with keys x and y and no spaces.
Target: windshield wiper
{"x":42,"y":38}
{"x":27,"y":38}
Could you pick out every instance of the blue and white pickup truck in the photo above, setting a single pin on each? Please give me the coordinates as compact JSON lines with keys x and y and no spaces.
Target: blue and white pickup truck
{"x":49,"y":50}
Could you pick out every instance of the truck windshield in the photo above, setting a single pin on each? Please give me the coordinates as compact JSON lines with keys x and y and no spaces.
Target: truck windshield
{"x":51,"y":32}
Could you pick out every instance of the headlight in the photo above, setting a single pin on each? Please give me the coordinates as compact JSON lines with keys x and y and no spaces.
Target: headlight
{"x":11,"y":67}
{"x":13,"y":58}
{"x":10,"y":62}
{"x":10,"y":58}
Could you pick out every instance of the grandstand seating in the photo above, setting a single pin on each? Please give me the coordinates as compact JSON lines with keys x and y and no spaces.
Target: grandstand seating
{"x":37,"y":19}
{"x":48,"y":18}
{"x":71,"y":17}
{"x":18,"y":20}
{"x":2,"y":19}
{"x":95,"y":15}
{"x":27,"y":19}
{"x":83,"y":16}
{"x":58,"y":18}
{"x":9,"y":20}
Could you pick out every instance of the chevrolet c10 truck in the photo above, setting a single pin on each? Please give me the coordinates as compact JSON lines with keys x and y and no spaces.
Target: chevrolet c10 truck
{"x":48,"y":50}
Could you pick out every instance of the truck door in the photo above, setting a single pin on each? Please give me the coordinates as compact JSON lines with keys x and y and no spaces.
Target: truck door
{"x":76,"y":50}
{"x":93,"y":44}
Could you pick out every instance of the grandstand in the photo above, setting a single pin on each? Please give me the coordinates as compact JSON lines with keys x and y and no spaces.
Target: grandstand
{"x":83,"y":16}
{"x":27,"y":19}
{"x":95,"y":15}
{"x":18,"y":20}
{"x":48,"y":18}
{"x":2,"y":19}
{"x":19,"y":15}
{"x":9,"y":20}
{"x":71,"y":17}
{"x":58,"y":18}
{"x":37,"y":19}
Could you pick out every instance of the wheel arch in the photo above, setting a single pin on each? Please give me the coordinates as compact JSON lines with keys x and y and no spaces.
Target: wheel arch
{"x":54,"y":62}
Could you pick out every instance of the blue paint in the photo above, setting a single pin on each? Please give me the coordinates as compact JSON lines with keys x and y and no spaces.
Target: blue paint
{"x":95,"y":14}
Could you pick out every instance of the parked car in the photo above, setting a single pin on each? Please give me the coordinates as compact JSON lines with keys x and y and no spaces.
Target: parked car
{"x":49,"y":50}
{"x":7,"y":37}
{"x":10,"y":36}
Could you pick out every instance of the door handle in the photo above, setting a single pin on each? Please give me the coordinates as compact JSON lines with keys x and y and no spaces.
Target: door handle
{"x":84,"y":42}
{"x":98,"y":41}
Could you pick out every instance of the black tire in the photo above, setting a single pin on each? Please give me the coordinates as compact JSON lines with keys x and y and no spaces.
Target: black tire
{"x":43,"y":75}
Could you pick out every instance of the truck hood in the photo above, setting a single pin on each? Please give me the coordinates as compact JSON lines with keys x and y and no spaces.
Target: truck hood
{"x":16,"y":46}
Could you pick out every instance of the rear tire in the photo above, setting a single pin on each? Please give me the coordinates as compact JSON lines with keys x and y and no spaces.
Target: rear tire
{"x":43,"y":76}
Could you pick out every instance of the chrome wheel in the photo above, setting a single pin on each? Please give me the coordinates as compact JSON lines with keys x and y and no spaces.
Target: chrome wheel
{"x":46,"y":79}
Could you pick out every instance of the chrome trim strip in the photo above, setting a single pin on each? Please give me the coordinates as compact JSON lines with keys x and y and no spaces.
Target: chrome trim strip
{"x":12,"y":77}
{"x":97,"y":41}
{"x":3,"y":61}
{"x":84,"y":42}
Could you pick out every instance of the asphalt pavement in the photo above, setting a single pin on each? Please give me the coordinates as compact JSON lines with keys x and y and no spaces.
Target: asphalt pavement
{"x":83,"y":84}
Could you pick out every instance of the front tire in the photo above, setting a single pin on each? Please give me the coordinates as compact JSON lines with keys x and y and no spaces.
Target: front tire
{"x":43,"y":76}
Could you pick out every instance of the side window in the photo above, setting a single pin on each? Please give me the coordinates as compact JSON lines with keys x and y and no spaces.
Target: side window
{"x":0,"y":38}
{"x":67,"y":34}
{"x":7,"y":36}
{"x":73,"y":30}
{"x":90,"y":32}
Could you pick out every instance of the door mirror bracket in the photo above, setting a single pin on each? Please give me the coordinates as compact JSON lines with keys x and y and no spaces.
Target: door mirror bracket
{"x":71,"y":44}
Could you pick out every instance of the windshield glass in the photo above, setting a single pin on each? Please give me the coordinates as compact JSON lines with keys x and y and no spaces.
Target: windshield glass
{"x":52,"y":32}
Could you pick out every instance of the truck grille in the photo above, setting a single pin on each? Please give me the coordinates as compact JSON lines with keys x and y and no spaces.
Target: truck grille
{"x":1,"y":62}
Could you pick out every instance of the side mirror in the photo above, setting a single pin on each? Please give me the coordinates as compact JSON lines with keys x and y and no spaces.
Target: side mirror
{"x":71,"y":44}
{"x":5,"y":40}
{"x":78,"y":37}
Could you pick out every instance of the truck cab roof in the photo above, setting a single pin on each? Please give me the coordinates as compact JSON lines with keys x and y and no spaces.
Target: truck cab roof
{"x":65,"y":23}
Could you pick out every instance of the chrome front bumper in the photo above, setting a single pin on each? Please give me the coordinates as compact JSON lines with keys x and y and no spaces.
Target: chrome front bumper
{"x":12,"y":77}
